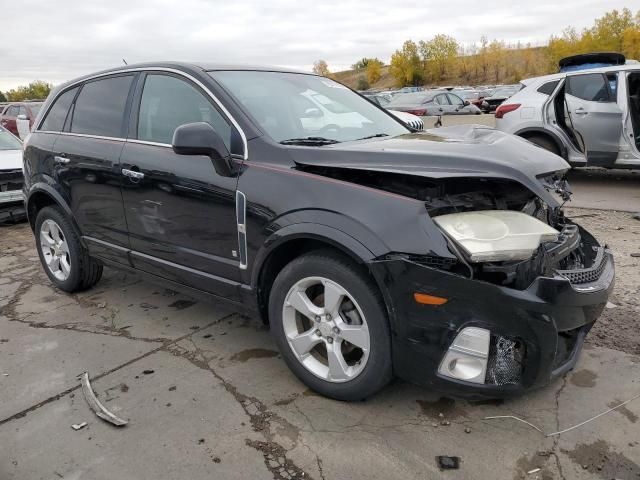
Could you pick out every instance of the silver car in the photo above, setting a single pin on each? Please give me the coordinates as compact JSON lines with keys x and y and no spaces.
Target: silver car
{"x":588,"y":117}
{"x":432,"y":103}
{"x":11,"y":179}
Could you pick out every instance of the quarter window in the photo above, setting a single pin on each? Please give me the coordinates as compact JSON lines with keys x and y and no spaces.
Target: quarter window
{"x":549,"y":87}
{"x":54,"y":121}
{"x":100,"y":107}
{"x":168,"y":102}
{"x":592,"y":87}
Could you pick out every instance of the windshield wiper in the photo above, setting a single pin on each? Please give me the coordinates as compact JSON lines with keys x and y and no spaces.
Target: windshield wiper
{"x":377,"y":135}
{"x":309,"y":141}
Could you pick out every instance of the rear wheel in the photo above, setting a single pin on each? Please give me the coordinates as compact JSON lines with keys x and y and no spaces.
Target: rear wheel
{"x":544,"y":142}
{"x":330,"y":324}
{"x":66,"y":262}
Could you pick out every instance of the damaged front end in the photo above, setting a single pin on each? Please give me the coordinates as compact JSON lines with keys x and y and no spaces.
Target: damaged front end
{"x":512,"y":320}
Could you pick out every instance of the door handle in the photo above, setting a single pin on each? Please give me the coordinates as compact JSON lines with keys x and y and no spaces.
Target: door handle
{"x":580,"y":111}
{"x":61,"y":160}
{"x":132,"y":174}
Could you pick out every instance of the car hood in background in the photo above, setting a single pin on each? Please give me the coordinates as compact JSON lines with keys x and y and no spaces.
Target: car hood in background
{"x":457,"y":151}
{"x":10,"y":159}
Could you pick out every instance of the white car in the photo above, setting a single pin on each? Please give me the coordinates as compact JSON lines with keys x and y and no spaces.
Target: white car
{"x":410,"y":120}
{"x":589,"y":117}
{"x":11,"y":178}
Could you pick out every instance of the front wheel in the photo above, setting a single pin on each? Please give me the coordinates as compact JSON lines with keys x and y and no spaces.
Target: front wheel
{"x":330,"y":324}
{"x":65,"y":261}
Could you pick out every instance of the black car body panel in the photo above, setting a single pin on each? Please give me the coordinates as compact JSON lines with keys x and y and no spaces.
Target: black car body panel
{"x":178,"y":221}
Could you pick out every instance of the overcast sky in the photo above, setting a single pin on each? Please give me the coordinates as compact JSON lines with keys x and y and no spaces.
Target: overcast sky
{"x":59,"y":40}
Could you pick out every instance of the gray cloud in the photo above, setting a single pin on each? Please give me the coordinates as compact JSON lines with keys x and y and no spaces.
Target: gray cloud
{"x":57,"y":41}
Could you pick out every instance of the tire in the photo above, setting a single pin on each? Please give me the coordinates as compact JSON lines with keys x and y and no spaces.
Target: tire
{"x":75,"y":270}
{"x":362,"y":318}
{"x":544,"y":142}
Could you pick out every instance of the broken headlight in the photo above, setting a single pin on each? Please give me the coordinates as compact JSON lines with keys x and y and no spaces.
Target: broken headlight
{"x":496,"y":235}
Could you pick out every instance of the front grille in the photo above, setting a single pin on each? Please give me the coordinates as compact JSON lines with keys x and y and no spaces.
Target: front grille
{"x":10,"y":180}
{"x":587,"y":275}
{"x":505,"y":361}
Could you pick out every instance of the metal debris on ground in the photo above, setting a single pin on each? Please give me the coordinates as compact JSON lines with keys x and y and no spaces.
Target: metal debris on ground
{"x":566,"y":429}
{"x":448,"y":463}
{"x":95,"y":405}
{"x":78,"y":426}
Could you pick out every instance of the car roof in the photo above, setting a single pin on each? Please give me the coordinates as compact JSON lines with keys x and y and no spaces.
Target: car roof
{"x":557,"y":76}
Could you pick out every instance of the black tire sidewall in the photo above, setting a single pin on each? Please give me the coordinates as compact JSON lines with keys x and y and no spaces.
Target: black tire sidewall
{"x":76,"y":253}
{"x":377,"y":371}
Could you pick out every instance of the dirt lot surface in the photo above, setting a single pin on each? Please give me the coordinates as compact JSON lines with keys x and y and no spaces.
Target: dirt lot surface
{"x":619,"y":326}
{"x":208,"y":395}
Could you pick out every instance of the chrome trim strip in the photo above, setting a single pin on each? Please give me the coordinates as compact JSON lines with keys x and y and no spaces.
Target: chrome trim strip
{"x":152,"y":69}
{"x":105,"y":244}
{"x":84,"y":135}
{"x":241,"y":219}
{"x":184,"y":268}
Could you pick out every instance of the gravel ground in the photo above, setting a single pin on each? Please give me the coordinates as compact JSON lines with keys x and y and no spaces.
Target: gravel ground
{"x":617,"y":328}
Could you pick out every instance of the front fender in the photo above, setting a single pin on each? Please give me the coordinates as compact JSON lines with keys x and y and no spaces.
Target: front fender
{"x":313,"y":231}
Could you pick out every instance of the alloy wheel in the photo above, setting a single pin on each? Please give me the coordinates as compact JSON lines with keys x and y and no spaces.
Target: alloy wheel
{"x":326,"y":329}
{"x":55,"y":250}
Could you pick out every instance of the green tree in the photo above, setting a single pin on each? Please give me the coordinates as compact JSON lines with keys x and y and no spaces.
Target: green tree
{"x":631,"y":43}
{"x":2,"y":97}
{"x":374,"y":70}
{"x":405,"y":65}
{"x":320,"y":67}
{"x":439,"y":56}
{"x":361,"y":64}
{"x":608,"y":31}
{"x":37,"y":90}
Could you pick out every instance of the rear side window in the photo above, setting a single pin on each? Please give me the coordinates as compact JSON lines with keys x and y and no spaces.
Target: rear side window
{"x":592,"y":87}
{"x":54,"y":121}
{"x":100,"y":107}
{"x":548,"y":87}
{"x":168,"y":102}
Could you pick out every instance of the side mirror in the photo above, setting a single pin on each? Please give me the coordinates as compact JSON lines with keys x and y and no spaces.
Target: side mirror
{"x":201,"y":139}
{"x":312,"y":113}
{"x":22,"y":116}
{"x":467,"y":103}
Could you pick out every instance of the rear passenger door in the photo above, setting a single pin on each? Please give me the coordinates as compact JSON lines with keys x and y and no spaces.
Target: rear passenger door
{"x":181,"y":214}
{"x":594,"y":116}
{"x":87,"y":154}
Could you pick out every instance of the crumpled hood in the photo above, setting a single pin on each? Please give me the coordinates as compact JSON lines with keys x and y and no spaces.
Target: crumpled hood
{"x":458,"y":151}
{"x":10,"y":159}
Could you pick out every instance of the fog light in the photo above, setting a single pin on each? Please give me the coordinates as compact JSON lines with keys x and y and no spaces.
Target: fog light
{"x":467,"y":356}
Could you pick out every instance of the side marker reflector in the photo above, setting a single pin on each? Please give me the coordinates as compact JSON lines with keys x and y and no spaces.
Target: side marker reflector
{"x":425,"y":299}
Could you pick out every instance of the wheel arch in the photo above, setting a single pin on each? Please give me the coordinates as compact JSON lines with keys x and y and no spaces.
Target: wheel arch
{"x":296,"y":240}
{"x":42,"y":195}
{"x":543,"y":132}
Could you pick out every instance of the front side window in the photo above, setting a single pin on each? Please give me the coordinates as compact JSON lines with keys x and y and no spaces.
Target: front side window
{"x":279,"y":103}
{"x":100,"y":107}
{"x":55,"y":119}
{"x":168,"y":102}
{"x":592,"y":87}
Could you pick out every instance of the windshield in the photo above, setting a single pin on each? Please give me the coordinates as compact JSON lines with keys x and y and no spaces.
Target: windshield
{"x":8,"y":141}
{"x":292,"y":106}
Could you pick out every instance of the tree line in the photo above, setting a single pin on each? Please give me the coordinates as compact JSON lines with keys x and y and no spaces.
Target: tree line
{"x":37,"y":90}
{"x":443,"y":59}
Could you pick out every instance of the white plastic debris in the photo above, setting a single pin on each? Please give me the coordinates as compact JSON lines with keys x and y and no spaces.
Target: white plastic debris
{"x":78,"y":426}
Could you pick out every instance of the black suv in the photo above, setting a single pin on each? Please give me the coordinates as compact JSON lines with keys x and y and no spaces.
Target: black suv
{"x":442,"y":257}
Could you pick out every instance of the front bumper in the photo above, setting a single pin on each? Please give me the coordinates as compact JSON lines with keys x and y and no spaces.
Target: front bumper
{"x":550,"y":318}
